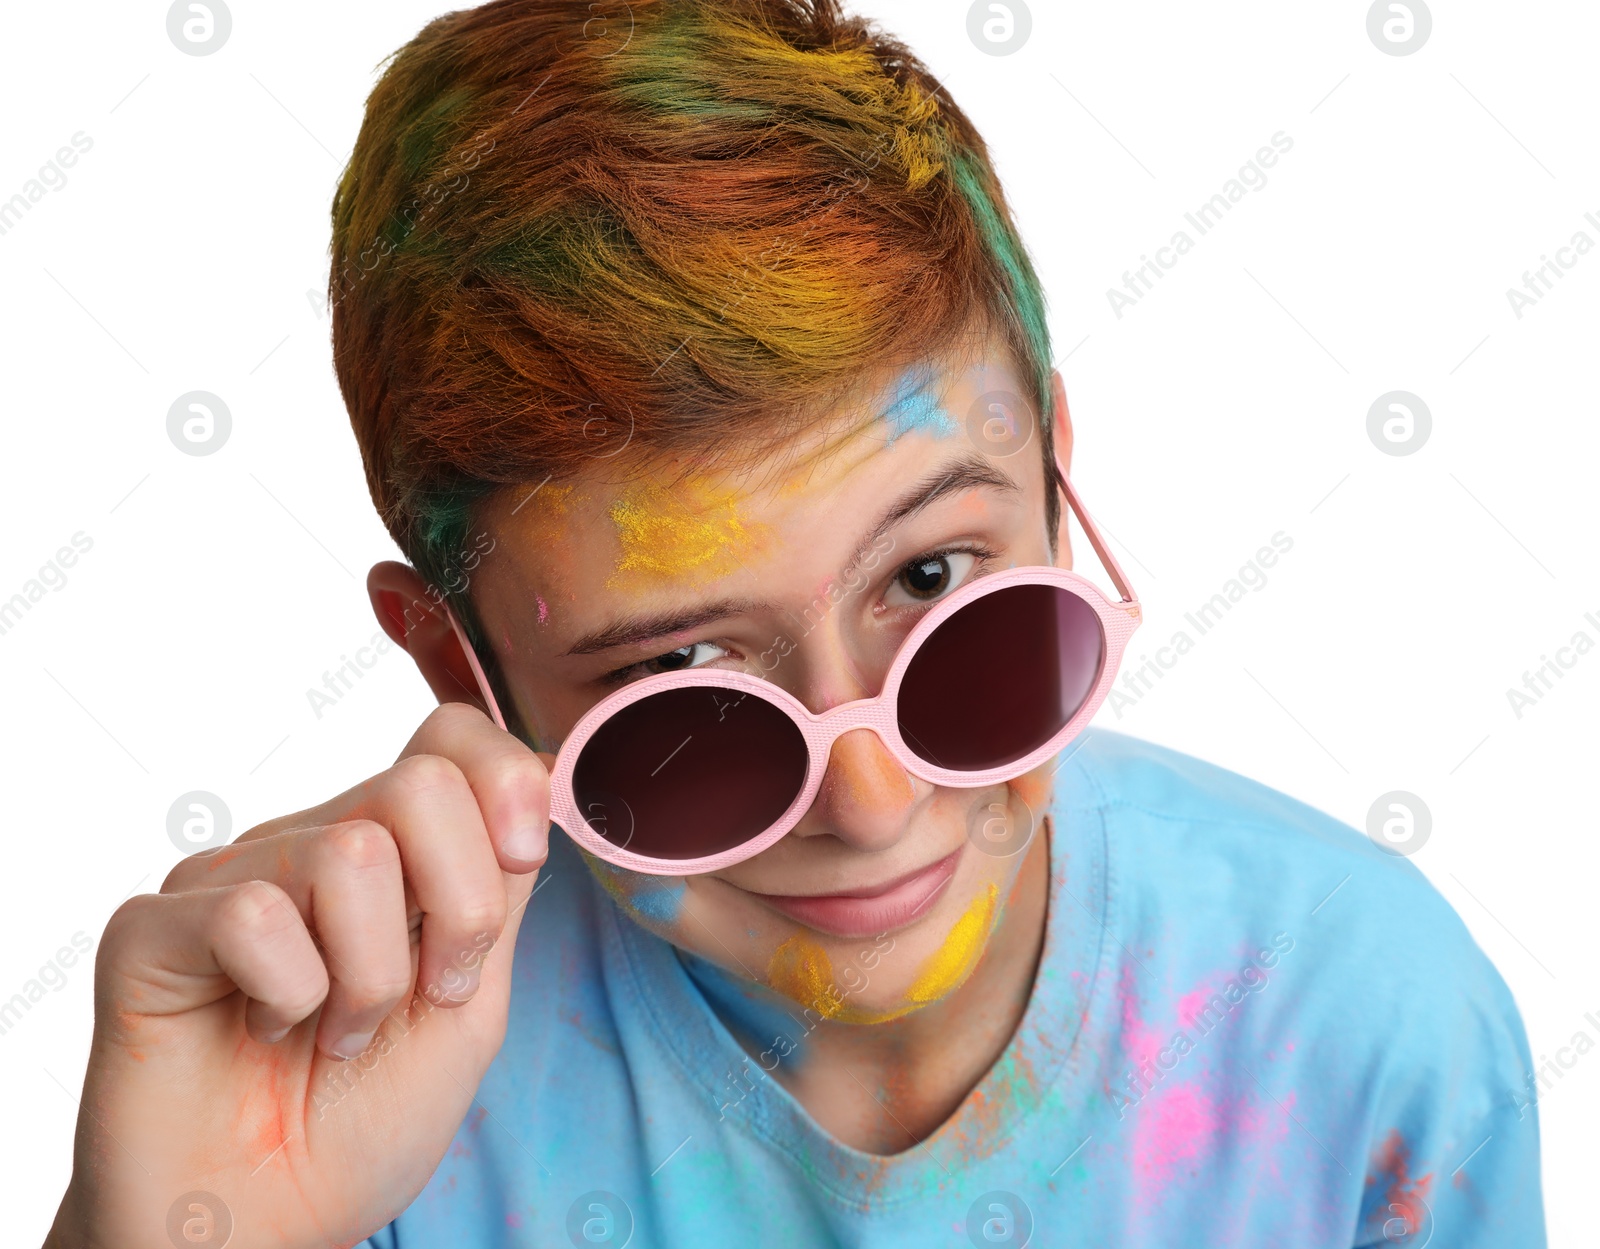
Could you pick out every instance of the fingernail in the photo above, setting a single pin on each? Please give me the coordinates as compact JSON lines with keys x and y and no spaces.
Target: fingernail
{"x":526,"y":842}
{"x":353,"y":1045}
{"x":272,"y":1038}
{"x":460,"y":983}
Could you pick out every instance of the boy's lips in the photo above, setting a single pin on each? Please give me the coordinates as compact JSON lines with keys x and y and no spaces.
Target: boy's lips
{"x":873,"y":909}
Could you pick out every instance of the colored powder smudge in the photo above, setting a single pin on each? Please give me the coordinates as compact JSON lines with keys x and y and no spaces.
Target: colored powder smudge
{"x":662,"y":903}
{"x":954,"y":960}
{"x":1010,"y":1090}
{"x":863,"y":774}
{"x":608,"y":878}
{"x":554,"y":499}
{"x":1140,"y":1042}
{"x":545,"y":510}
{"x":1033,"y":788}
{"x":544,"y":608}
{"x":1173,"y":1130}
{"x":801,"y":970}
{"x":1404,"y":1198}
{"x":665,"y":535}
{"x":1191,"y":1004}
{"x":915,"y":411}
{"x":645,"y":896}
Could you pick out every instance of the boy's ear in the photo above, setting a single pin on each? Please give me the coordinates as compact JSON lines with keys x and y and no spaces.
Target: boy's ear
{"x":1061,"y":420}
{"x":414,"y":618}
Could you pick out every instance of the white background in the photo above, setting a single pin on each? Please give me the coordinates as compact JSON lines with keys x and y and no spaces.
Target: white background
{"x":1229,"y":404}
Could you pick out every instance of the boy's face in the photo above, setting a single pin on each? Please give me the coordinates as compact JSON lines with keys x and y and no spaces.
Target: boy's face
{"x":770,"y":557}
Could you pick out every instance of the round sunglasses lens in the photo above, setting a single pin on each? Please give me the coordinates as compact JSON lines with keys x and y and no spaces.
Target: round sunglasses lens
{"x":1000,"y":677}
{"x":690,"y":772}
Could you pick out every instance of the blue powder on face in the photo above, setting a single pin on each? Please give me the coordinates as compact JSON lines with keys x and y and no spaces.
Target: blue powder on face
{"x":660,"y":903}
{"x":914,"y":410}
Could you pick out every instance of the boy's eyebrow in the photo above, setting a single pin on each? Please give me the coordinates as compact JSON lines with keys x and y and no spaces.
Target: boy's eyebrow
{"x":632,"y":630}
{"x":967,"y":472}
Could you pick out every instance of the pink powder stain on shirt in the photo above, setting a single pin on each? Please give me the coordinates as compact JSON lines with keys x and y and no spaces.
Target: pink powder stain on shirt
{"x":1191,"y":1004}
{"x":1140,"y":1042}
{"x":1185,"y":1124}
{"x":1172,"y":1131}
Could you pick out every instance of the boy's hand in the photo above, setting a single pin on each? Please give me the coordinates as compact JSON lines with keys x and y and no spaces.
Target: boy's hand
{"x":229,"y":1006}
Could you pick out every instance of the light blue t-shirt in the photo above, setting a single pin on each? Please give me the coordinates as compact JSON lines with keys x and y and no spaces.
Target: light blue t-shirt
{"x":1249,"y":1026}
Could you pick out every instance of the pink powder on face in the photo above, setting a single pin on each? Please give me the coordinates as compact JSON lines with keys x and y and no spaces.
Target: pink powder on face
{"x":544,"y":608}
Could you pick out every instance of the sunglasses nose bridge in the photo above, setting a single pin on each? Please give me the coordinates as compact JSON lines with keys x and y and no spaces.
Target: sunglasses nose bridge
{"x":874,"y":713}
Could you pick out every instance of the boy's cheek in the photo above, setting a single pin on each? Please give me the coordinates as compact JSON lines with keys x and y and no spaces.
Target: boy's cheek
{"x":656,"y":902}
{"x":1033,"y":788}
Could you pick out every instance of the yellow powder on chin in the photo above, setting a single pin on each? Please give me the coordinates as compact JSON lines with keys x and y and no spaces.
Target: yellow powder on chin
{"x":954,"y":960}
{"x":801,"y":969}
{"x":688,"y":532}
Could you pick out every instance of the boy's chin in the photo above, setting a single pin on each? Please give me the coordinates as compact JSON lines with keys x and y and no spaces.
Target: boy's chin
{"x":891,"y":975}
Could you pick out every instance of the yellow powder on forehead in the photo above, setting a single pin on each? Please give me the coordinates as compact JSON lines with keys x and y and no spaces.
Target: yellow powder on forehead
{"x":691,"y":531}
{"x":554,"y":498}
{"x":955,"y":958}
{"x":541,"y":511}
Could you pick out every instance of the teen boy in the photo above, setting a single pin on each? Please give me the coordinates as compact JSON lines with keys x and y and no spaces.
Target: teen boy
{"x":700,"y":374}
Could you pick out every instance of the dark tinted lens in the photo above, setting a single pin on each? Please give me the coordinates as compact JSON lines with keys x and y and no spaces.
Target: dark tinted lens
{"x":1000,"y":678}
{"x":690,"y":772}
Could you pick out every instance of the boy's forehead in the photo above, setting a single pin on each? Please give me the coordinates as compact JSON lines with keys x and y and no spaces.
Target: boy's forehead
{"x":690,"y":521}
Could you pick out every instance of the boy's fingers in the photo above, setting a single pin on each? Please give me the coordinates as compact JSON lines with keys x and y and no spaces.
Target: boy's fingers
{"x":445,"y":856}
{"x":510,"y":782}
{"x":169,"y":953}
{"x":346,"y":885}
{"x":425,"y":808}
{"x":453,"y":873}
{"x":358,"y":912}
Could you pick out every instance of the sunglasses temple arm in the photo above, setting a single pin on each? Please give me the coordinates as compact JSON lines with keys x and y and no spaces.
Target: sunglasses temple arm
{"x":1107,"y":559}
{"x":484,"y":691}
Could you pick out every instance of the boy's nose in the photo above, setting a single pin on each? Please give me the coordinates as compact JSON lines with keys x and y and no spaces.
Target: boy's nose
{"x":866,"y":795}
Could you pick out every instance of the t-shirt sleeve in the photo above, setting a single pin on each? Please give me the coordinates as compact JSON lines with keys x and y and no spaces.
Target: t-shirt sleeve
{"x":1453,"y":1157}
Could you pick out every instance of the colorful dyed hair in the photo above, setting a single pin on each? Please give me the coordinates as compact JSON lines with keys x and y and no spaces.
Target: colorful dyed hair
{"x":678,"y":226}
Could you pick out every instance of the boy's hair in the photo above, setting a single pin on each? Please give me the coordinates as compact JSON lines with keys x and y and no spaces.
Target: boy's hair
{"x":669,"y":226}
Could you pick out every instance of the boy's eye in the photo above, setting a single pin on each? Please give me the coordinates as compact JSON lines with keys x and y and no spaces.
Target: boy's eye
{"x":690,"y":656}
{"x":928,"y":579}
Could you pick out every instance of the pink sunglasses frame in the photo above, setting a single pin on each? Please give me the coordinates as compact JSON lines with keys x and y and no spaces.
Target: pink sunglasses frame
{"x":1118,"y":620}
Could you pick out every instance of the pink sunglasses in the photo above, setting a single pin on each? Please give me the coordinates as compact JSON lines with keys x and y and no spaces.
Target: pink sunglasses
{"x":694,"y":771}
